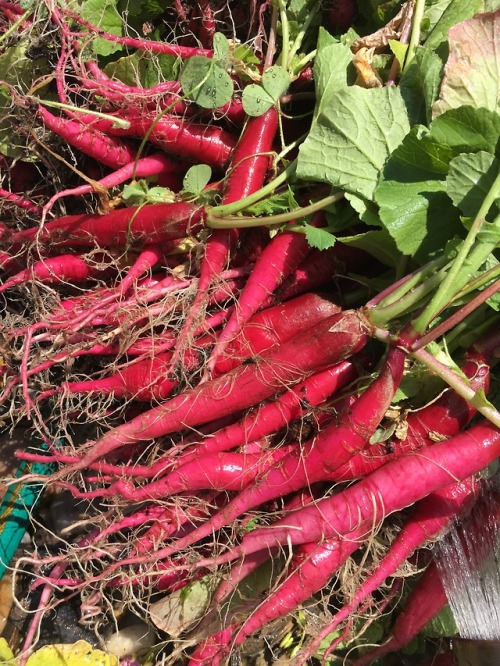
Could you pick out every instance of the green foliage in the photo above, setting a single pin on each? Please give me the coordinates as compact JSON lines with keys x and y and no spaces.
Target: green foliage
{"x":469,"y":180}
{"x":445,"y":15}
{"x":138,"y":193}
{"x":104,"y":14}
{"x":196,"y":178}
{"x":321,"y":239}
{"x":205,"y":80}
{"x":353,"y":137}
{"x":257,"y":99}
{"x":141,"y":69}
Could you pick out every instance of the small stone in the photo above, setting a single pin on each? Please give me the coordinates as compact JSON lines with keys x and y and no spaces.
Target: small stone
{"x":130,"y":640}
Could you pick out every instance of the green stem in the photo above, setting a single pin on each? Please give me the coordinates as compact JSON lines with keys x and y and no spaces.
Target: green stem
{"x":472,"y":328}
{"x":14,"y":26}
{"x":479,"y":282}
{"x":392,"y":295}
{"x":285,"y":34}
{"x":408,"y":302}
{"x":418,"y":15}
{"x":116,"y":122}
{"x":304,"y":61}
{"x":461,"y":387}
{"x":444,"y":326}
{"x":241,"y":222}
{"x":453,"y":282}
{"x":237,"y":206}
{"x":301,"y":34}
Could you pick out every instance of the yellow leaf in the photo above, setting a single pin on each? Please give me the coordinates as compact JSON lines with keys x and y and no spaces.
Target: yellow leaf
{"x":6,"y":654}
{"x":75,"y":654}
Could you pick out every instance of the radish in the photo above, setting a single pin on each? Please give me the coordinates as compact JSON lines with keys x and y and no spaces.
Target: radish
{"x":217,"y":471}
{"x":145,"y":167}
{"x":154,"y":223}
{"x":20,"y":201}
{"x":444,"y":417}
{"x":63,"y":268}
{"x":333,"y":339}
{"x":247,"y":174}
{"x":320,"y":267}
{"x":152,"y":379}
{"x":283,"y":254}
{"x":431,"y":516}
{"x":381,"y":493}
{"x":180,"y":137}
{"x":108,"y":150}
{"x":320,"y":456}
{"x":272,"y":416}
{"x":424,"y":603}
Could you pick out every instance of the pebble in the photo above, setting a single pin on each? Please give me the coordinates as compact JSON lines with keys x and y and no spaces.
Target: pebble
{"x":127,"y":642}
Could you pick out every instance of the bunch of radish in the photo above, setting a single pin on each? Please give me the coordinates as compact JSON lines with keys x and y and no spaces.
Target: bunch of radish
{"x":265,"y":391}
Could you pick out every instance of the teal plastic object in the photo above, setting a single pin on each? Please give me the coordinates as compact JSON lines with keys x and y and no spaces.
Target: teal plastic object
{"x":15,"y":508}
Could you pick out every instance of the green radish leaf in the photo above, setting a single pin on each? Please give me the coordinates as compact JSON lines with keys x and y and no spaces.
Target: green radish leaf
{"x":221,"y":50}
{"x":366,"y":210}
{"x":135,"y":193}
{"x":399,"y":50}
{"x":259,"y":99}
{"x":420,"y":84}
{"x":443,"y":624}
{"x":451,"y":13}
{"x":196,"y":178}
{"x":331,"y":68}
{"x":472,"y":72}
{"x":352,"y":139}
{"x":207,"y":84}
{"x":160,"y":195}
{"x":275,"y":82}
{"x":256,"y":100}
{"x":273,"y":205}
{"x":320,"y":239}
{"x":414,"y":205}
{"x":105,"y":15}
{"x":142,"y":69}
{"x":470,"y":179}
{"x":468,"y":130}
{"x":378,"y":243}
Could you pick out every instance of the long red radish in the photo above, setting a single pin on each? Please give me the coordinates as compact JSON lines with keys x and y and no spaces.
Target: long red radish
{"x":319,"y":267}
{"x":383,"y":492}
{"x":327,"y":343}
{"x":275,"y":415}
{"x":249,"y":165}
{"x":153,"y":223}
{"x":311,"y":568}
{"x":20,"y":201}
{"x":147,"y":45}
{"x":145,"y":167}
{"x":108,"y":150}
{"x":282,"y":255}
{"x":63,"y":268}
{"x":424,"y":603}
{"x":318,"y":457}
{"x":218,"y":471}
{"x":431,"y":516}
{"x":152,"y":379}
{"x":183,"y":138}
{"x":442,"y":418}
